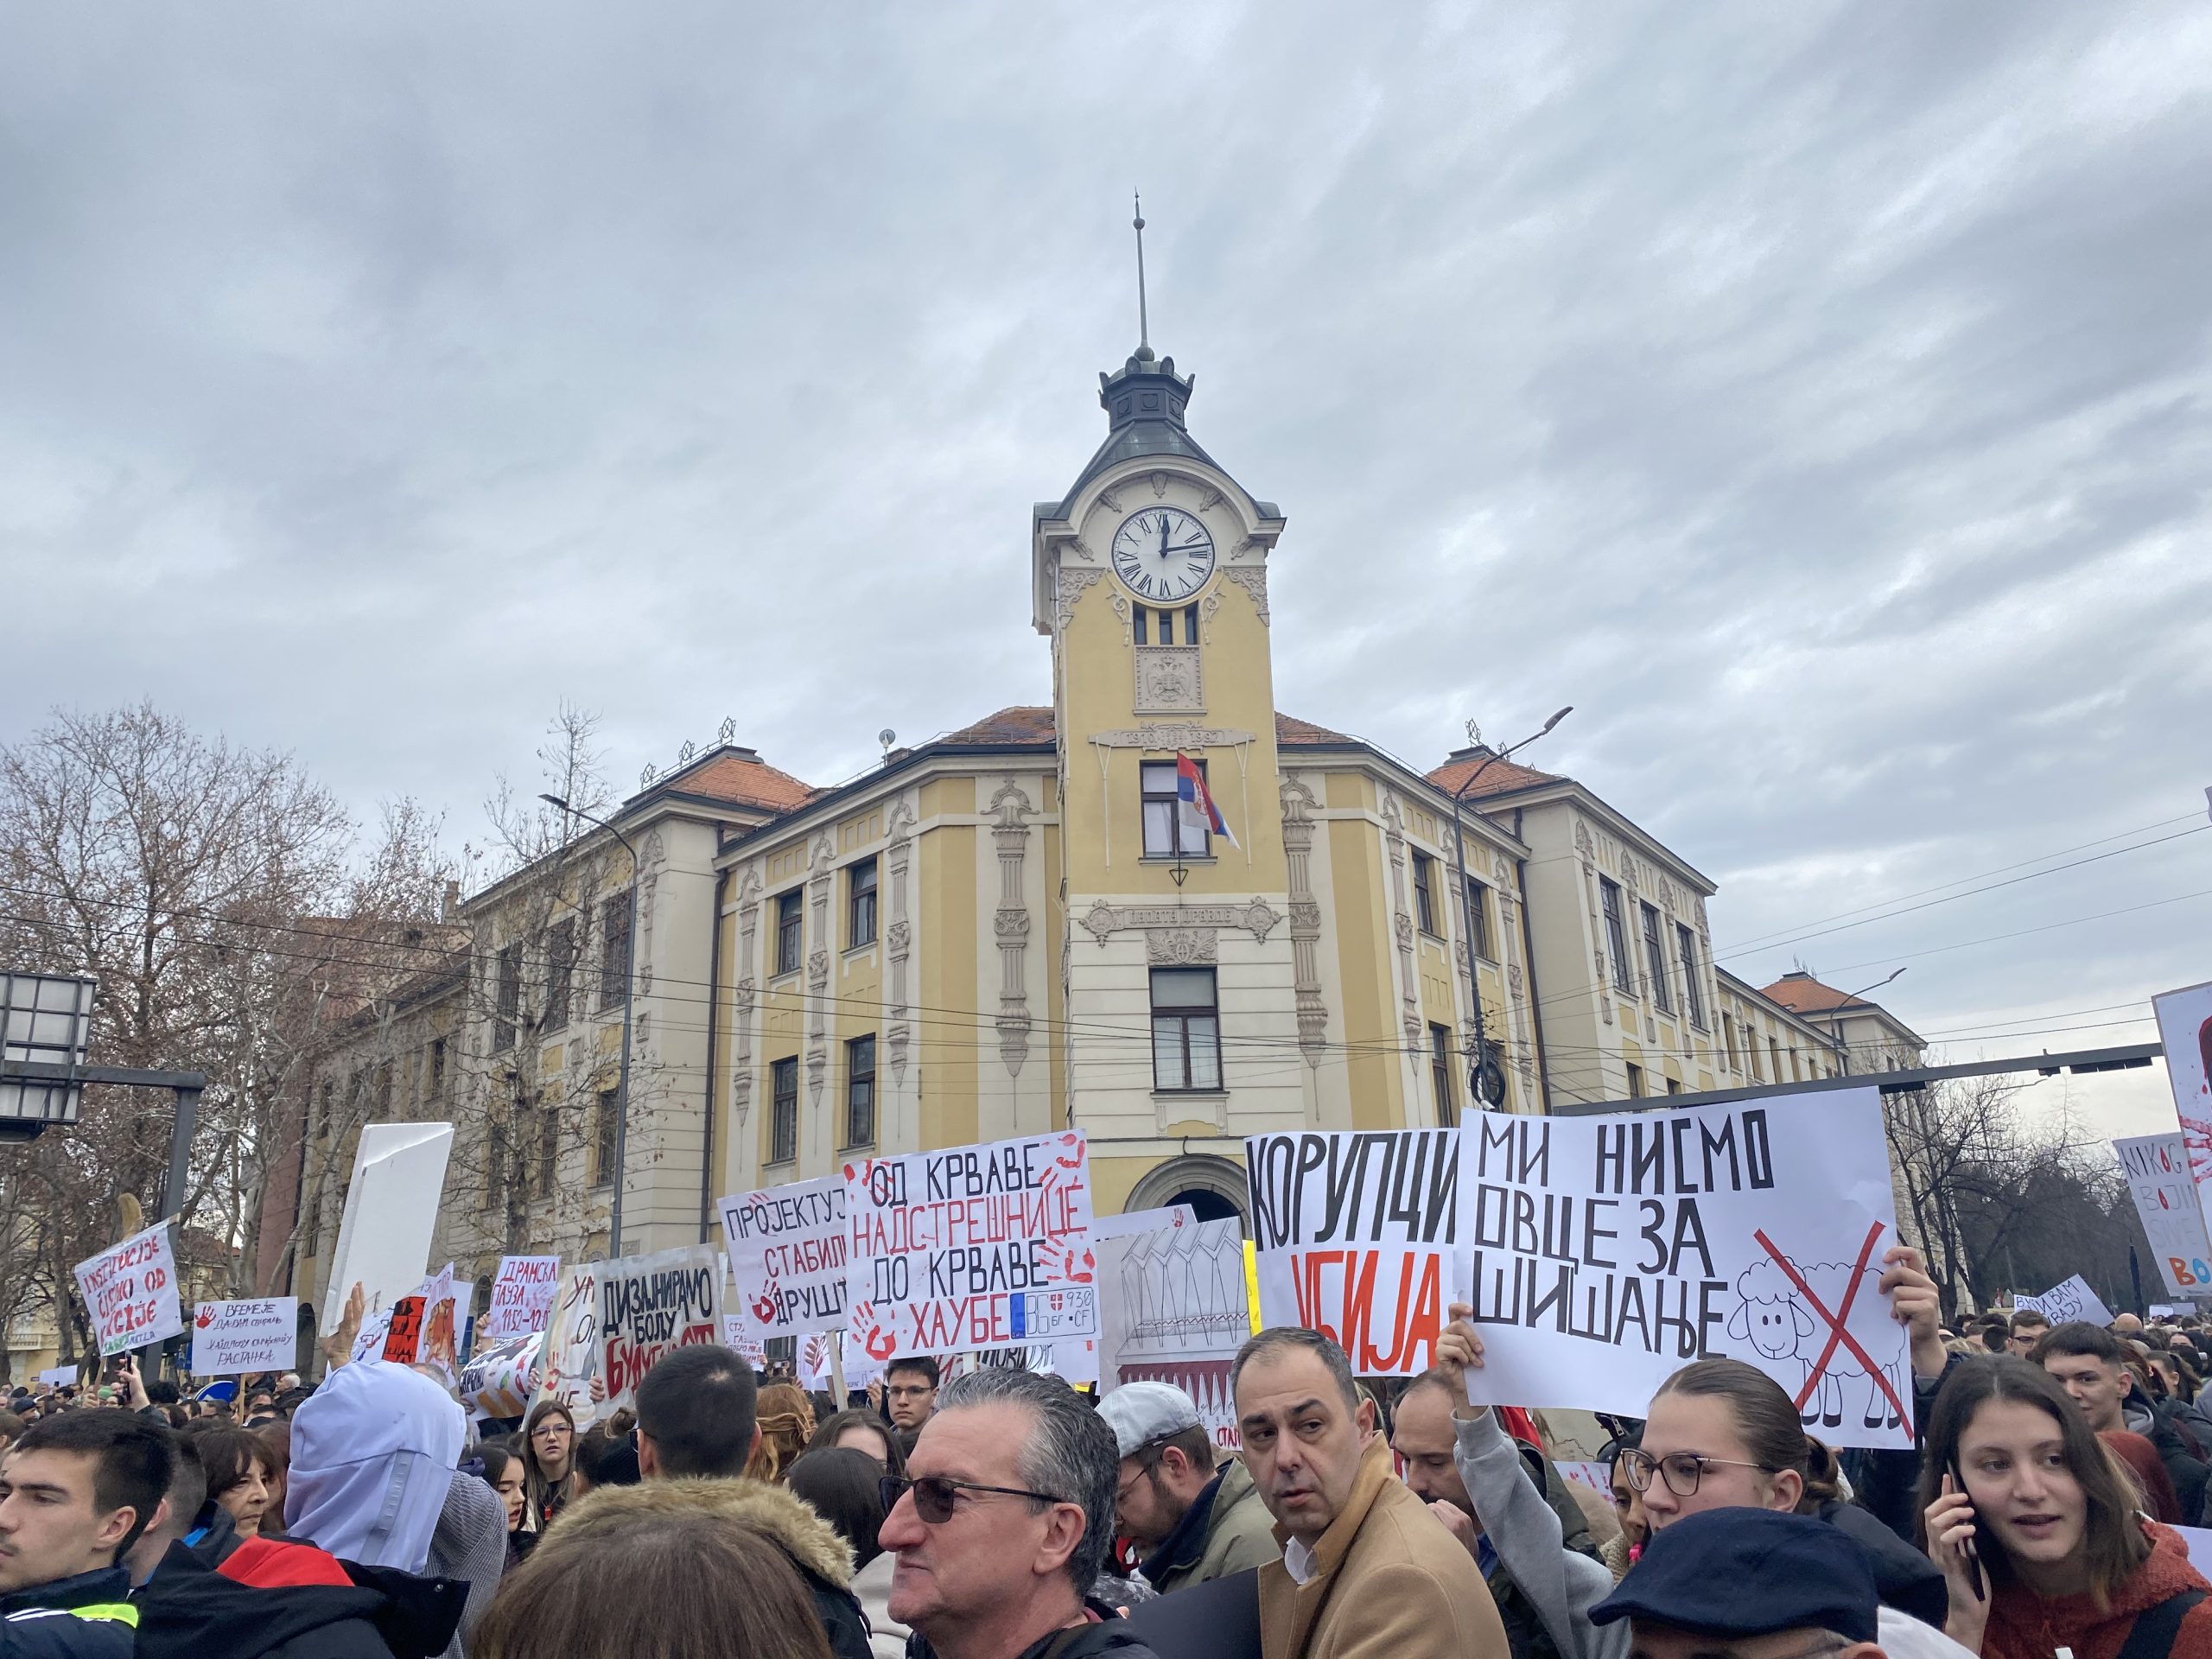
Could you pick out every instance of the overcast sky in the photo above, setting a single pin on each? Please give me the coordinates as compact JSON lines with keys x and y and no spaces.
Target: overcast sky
{"x":1815,"y":396}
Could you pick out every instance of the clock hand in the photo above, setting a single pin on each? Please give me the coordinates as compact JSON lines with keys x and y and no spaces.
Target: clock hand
{"x":1163,"y":535}
{"x":1187,"y":547}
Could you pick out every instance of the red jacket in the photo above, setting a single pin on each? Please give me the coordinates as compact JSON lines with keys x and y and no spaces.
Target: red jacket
{"x":2023,"y":1625}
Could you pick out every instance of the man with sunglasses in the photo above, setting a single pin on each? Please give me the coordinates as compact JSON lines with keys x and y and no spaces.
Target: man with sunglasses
{"x":1001,"y":1524}
{"x":1195,"y":1522}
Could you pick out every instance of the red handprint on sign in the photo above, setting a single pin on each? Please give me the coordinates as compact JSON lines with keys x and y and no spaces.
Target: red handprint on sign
{"x":203,"y":1318}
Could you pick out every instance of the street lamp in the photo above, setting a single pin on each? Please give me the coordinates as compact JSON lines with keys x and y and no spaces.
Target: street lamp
{"x":629,"y":980}
{"x":1842,"y":1051}
{"x":1485,"y":1077}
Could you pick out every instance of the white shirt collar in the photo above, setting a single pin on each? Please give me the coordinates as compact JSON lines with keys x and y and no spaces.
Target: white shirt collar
{"x":1300,"y":1562}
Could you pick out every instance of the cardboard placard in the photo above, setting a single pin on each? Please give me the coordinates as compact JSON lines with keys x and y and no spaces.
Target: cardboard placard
{"x":391,"y":1209}
{"x":572,"y":1343}
{"x":129,"y":1290}
{"x":59,"y":1377}
{"x":2073,"y":1299}
{"x":2164,"y":1189}
{"x":522,"y":1297}
{"x":748,"y":1347}
{"x":651,"y":1305}
{"x":234,"y":1339}
{"x":1355,"y":1235}
{"x":971,"y":1248}
{"x":787,"y":1256}
{"x":1608,"y":1252}
{"x":497,"y":1381}
{"x":1174,"y":1311}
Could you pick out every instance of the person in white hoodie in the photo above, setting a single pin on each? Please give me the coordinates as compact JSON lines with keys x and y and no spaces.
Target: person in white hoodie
{"x":373,"y":1451}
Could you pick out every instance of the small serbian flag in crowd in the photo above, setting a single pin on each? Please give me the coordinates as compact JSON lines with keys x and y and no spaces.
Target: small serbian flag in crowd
{"x":1197,"y":808}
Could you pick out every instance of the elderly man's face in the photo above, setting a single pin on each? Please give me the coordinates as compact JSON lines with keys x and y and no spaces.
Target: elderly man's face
{"x":991,"y":1551}
{"x":1649,"y":1639}
{"x":1302,"y":1444}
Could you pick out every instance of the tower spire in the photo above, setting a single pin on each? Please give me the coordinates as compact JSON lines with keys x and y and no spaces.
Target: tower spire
{"x":1144,"y":323}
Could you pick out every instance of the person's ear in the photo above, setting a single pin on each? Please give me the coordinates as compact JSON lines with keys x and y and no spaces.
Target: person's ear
{"x":648,"y":1458}
{"x":1364,"y":1418}
{"x":1063,"y":1528}
{"x":1862,"y":1651}
{"x":1789,"y":1490}
{"x":117,"y":1526}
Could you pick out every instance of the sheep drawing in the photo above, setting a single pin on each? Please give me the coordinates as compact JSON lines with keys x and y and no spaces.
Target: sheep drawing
{"x":1774,"y":1317}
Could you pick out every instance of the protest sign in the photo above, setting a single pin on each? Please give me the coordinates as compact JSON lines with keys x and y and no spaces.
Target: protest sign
{"x":1608,"y":1252}
{"x":748,"y":1347}
{"x":2185,"y":1031}
{"x":1143,"y":1221}
{"x":496,"y":1381}
{"x":2197,"y":1540}
{"x":572,"y":1343}
{"x":2170,"y":1310}
{"x":129,"y":1290}
{"x":1354,"y":1233}
{"x":391,"y":1209}
{"x":787,"y":1256}
{"x":522,"y":1296}
{"x":1174,"y":1310}
{"x":972,"y":1247}
{"x":650,"y":1305}
{"x":403,"y":1330}
{"x":2166,"y":1200}
{"x":1076,"y":1361}
{"x":231,"y":1338}
{"x":2073,"y":1299}
{"x":59,"y":1377}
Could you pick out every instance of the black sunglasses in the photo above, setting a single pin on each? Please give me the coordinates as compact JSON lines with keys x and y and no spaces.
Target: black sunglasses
{"x":934,"y":1495}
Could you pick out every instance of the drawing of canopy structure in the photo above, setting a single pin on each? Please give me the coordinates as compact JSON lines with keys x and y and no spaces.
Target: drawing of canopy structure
{"x":1181,"y":1314}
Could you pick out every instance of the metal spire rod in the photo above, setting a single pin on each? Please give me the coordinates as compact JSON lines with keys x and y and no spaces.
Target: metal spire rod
{"x":1144,"y":323}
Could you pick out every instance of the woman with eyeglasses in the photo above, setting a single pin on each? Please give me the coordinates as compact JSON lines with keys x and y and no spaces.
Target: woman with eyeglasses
{"x":548,"y":1462}
{"x":2039,"y":1531}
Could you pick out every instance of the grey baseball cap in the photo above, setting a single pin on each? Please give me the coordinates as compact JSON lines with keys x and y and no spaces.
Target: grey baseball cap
{"x":1141,"y":1412}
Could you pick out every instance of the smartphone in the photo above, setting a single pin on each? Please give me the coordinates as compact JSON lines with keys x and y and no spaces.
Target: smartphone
{"x":1973,"y":1564}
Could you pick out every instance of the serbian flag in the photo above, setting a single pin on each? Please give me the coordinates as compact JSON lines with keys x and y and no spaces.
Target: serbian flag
{"x":1196,"y":807}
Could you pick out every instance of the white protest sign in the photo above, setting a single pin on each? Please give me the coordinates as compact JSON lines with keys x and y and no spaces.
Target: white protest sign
{"x":652,"y":1305}
{"x":1355,"y":1236}
{"x":59,"y":1377}
{"x":129,"y":1290}
{"x":787,"y":1256}
{"x":749,"y":1348}
{"x":2171,"y":1310}
{"x":971,"y":1248}
{"x":572,"y":1343}
{"x":1143,"y":1221}
{"x":1608,"y":1252}
{"x":522,"y":1296}
{"x":2197,"y":1540}
{"x":1173,"y":1309}
{"x":2073,"y":1299}
{"x":496,"y":1381}
{"x":2185,"y":1031}
{"x":391,"y":1209}
{"x":231,"y":1338}
{"x":2166,"y":1201}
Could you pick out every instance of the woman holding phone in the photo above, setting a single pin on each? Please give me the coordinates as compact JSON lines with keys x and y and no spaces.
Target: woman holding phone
{"x":2038,"y":1531}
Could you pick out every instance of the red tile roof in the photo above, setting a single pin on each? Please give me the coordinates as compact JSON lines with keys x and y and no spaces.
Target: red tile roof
{"x":1803,"y":994}
{"x":1296,"y":732}
{"x":1500,"y":778}
{"x":741,"y":778}
{"x":1020,"y":724}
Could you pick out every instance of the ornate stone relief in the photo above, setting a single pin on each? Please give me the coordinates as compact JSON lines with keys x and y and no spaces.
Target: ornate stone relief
{"x":1102,"y":920}
{"x":1121,"y":604}
{"x":1169,"y":945}
{"x":1111,"y":499}
{"x":1169,"y":681}
{"x":1073,"y":585}
{"x":1010,"y":924}
{"x":1253,"y":579}
{"x":898,"y":935}
{"x":1168,"y":736}
{"x":1298,"y":808}
{"x":1402,"y":920}
{"x":746,"y":991}
{"x":819,"y":888}
{"x":1209,"y":500}
{"x":1158,"y":485}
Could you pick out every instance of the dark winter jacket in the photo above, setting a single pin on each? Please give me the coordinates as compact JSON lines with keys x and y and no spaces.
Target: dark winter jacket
{"x":2178,"y":1449}
{"x":1107,"y":1632}
{"x":85,"y":1616}
{"x":1903,"y":1577}
{"x":821,"y":1556}
{"x":187,"y":1610}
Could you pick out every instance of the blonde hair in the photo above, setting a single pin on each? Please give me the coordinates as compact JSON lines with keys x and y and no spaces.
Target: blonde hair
{"x":786,"y":1418}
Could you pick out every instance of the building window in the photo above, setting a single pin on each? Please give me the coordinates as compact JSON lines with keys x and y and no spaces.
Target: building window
{"x":507,"y":1003}
{"x":1775,"y":1049}
{"x":788,"y":930}
{"x":1728,"y":1041}
{"x":1440,"y":1075}
{"x":1609,"y":895}
{"x":1654,"y":961}
{"x":860,"y":904}
{"x":548,"y":1156}
{"x":859,"y":1091}
{"x":614,"y":950}
{"x":783,"y":1115}
{"x":560,"y":972}
{"x":1478,"y":920}
{"x":1185,"y":1029}
{"x":1425,"y":892}
{"x":1674,"y":1085}
{"x":607,"y":1121}
{"x":1693,"y":991}
{"x":436,"y":1084}
{"x":1163,"y":816}
{"x":1634,"y":1082}
{"x":1140,"y":620}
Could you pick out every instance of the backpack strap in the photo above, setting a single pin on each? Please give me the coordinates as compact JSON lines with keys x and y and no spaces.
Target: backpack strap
{"x":2155,"y":1626}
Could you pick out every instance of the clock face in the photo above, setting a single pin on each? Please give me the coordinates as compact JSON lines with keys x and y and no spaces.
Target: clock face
{"x":1163,"y":553}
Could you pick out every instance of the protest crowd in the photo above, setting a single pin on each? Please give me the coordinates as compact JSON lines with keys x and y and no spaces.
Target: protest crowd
{"x":1005,"y":1514}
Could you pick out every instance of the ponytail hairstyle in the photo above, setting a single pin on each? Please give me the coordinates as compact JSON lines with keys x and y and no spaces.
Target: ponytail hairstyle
{"x":2113,"y":1545}
{"x":1768,"y":1422}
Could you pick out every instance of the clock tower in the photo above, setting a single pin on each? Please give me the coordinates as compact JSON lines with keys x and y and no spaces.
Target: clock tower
{"x":1180,"y":1034}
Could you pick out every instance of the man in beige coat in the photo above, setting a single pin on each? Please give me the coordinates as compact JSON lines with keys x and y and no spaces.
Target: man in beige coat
{"x":1366,"y":1572}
